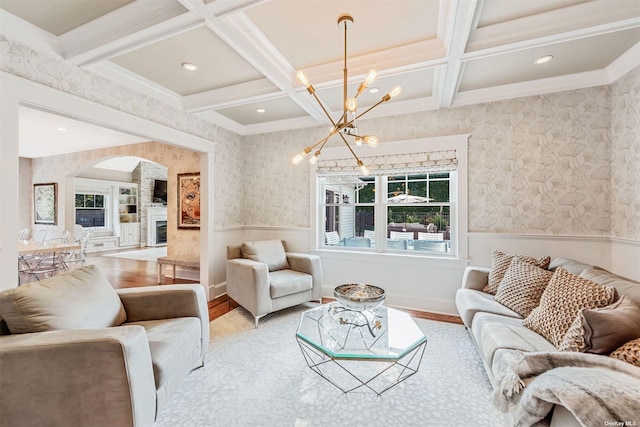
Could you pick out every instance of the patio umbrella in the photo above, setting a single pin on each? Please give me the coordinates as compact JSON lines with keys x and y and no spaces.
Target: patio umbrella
{"x":407,"y":198}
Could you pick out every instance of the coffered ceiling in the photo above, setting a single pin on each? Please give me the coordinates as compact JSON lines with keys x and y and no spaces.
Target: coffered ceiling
{"x":442,"y":52}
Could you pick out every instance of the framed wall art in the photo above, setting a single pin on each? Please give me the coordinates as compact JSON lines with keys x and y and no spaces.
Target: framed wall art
{"x":189,"y":200}
{"x":45,"y":203}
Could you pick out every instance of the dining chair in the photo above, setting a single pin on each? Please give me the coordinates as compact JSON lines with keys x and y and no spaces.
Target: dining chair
{"x":397,"y":244}
{"x":78,"y":255}
{"x":38,"y":264}
{"x":24,"y":234}
{"x":40,"y":236}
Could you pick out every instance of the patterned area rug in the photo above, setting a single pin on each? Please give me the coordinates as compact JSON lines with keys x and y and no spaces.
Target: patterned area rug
{"x":151,"y":254}
{"x":258,"y":377}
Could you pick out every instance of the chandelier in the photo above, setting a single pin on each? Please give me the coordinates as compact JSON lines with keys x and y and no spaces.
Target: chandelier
{"x":346,"y":125}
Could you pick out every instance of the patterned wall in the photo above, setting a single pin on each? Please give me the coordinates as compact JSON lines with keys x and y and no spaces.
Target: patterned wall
{"x":625,"y":157}
{"x":538,"y":165}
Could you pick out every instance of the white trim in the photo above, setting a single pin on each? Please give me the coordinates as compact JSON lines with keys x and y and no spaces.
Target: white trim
{"x":624,"y":63}
{"x":510,"y":236}
{"x":43,"y":97}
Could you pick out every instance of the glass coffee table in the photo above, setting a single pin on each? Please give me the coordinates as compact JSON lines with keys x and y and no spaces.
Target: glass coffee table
{"x":374,"y":349}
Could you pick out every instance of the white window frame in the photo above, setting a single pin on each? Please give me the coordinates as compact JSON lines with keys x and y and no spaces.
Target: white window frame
{"x":459,"y":180}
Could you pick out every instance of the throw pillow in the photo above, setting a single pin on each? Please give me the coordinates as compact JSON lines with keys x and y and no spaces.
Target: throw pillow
{"x":500,"y":262}
{"x":522,"y":286}
{"x":78,"y":299}
{"x":561,"y":301}
{"x":629,"y":352}
{"x":602,"y":330}
{"x":270,"y":252}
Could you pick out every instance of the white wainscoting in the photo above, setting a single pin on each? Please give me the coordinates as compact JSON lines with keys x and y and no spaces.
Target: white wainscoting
{"x":425,"y":283}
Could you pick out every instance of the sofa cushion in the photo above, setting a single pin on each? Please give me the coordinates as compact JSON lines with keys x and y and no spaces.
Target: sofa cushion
{"x":571,"y":265}
{"x":287,"y":282}
{"x":624,"y":286}
{"x":602,"y":330}
{"x":174,"y":345}
{"x":470,"y":301}
{"x":78,"y":299}
{"x":500,"y":262}
{"x":561,"y":301}
{"x":270,"y":252}
{"x":629,"y":352}
{"x":522,"y":286}
{"x":493,"y":332}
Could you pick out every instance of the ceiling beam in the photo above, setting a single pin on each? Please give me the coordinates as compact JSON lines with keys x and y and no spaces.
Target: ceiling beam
{"x":459,"y":25}
{"x":126,"y":29}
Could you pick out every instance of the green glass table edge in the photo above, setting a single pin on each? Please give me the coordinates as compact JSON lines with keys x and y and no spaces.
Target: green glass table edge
{"x":346,"y":356}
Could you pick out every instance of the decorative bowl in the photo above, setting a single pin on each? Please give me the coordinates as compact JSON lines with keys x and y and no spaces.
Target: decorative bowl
{"x":358,"y":296}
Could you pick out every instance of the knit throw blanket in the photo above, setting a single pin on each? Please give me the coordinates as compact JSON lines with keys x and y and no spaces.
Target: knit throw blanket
{"x":597,"y":390}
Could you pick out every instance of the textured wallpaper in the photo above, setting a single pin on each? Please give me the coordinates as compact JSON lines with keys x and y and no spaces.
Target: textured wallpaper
{"x":625,"y":157}
{"x":538,"y":165}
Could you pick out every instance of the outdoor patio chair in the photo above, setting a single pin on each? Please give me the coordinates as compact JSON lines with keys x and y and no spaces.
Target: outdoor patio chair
{"x":332,"y":238}
{"x":429,"y":245}
{"x":357,"y":242}
{"x":430,"y":236}
{"x":397,"y":244}
{"x":401,"y":235}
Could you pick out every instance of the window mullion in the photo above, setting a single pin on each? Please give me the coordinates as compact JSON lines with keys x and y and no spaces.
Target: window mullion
{"x":381,"y":213}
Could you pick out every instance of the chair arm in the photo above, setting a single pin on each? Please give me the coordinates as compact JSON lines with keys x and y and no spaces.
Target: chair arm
{"x":97,"y":377}
{"x":309,"y":264}
{"x":475,"y":277}
{"x":166,"y":302}
{"x":248,"y":285}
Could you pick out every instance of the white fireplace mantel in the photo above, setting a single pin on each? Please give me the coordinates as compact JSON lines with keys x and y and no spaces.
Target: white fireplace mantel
{"x":154,"y":214}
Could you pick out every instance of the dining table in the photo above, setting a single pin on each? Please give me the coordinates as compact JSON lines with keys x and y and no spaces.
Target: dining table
{"x":26,"y":247}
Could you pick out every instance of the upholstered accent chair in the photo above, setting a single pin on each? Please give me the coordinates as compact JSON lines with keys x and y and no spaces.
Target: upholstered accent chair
{"x":74,"y":351}
{"x":263,"y":277}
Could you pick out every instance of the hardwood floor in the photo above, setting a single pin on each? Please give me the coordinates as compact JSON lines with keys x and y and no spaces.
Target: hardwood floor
{"x":128,"y":273}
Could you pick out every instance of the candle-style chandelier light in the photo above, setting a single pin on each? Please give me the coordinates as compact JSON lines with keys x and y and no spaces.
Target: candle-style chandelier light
{"x":346,"y":125}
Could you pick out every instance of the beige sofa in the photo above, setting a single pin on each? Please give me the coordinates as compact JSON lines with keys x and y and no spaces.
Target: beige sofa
{"x":76,"y":352}
{"x":495,"y":328}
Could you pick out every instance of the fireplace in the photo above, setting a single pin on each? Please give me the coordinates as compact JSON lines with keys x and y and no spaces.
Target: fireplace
{"x":156,"y":226}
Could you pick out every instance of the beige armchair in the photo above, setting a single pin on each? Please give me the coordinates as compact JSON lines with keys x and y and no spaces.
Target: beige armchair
{"x":262,"y":277}
{"x":76,"y":352}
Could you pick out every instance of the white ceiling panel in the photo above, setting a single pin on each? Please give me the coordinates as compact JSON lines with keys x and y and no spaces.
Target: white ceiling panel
{"x":568,"y":58}
{"x":312,"y":36}
{"x":275,"y":109}
{"x":58,"y":17}
{"x":161,"y":62}
{"x":499,"y":11}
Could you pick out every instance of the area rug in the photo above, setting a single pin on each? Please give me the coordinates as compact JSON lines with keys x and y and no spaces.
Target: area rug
{"x":258,"y":377}
{"x":151,"y":254}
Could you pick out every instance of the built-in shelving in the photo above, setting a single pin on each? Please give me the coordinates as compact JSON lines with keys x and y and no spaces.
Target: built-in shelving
{"x":128,"y":204}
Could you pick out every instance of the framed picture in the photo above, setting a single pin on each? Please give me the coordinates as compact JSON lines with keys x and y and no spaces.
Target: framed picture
{"x":189,"y":200}
{"x":45,"y":203}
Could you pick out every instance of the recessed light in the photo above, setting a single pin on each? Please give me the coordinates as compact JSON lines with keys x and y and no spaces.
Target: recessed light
{"x":374,"y":90}
{"x":543,"y":59}
{"x":62,"y":129}
{"x":189,"y":66}
{"x":260,"y":110}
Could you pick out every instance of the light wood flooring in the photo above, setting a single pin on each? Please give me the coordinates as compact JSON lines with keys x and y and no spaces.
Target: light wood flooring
{"x":128,"y":273}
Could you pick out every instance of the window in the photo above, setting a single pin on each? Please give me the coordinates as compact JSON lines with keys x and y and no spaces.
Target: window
{"x":91,"y":210}
{"x":415,"y":210}
{"x":414,"y":201}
